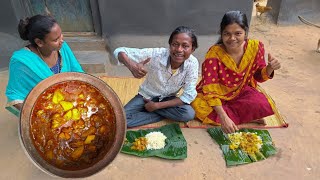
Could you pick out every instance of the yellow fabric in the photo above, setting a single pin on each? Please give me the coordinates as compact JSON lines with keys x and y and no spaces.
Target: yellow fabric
{"x":214,"y":102}
{"x":174,"y":70}
{"x":265,"y":74}
{"x":220,"y":53}
{"x":202,"y":107}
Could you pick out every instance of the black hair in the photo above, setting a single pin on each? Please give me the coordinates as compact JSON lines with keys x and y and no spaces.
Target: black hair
{"x":187,"y":30}
{"x":233,"y":17}
{"x":37,"y":26}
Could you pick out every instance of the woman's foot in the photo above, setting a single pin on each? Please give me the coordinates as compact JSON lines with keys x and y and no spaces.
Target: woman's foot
{"x":260,"y":121}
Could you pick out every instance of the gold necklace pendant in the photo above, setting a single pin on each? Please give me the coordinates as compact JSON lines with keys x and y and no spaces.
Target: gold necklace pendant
{"x":54,"y":56}
{"x":40,"y":54}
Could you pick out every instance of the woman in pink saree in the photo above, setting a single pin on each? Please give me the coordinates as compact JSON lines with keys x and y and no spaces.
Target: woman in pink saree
{"x":227,"y":93}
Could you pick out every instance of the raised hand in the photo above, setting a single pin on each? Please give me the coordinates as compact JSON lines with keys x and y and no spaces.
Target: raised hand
{"x":138,"y":70}
{"x":273,"y":63}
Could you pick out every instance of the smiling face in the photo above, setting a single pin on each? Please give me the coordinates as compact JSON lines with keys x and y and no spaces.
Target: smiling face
{"x":180,"y":49}
{"x":53,"y":40}
{"x":233,"y":36}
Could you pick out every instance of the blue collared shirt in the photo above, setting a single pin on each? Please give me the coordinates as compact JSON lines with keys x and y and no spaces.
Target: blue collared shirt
{"x":160,"y":80}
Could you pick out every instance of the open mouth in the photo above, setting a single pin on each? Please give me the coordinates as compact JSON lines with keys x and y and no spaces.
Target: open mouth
{"x":178,"y":55}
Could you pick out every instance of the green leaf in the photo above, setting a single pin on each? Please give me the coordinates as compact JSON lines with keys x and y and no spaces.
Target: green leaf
{"x":218,"y":136}
{"x":237,"y":156}
{"x":268,"y":150}
{"x":234,"y":157}
{"x":176,"y":145}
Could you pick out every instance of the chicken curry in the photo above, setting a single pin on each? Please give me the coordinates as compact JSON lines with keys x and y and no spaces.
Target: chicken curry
{"x":72,"y":125}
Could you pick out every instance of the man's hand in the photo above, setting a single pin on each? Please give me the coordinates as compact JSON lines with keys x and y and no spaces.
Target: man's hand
{"x":138,"y":70}
{"x":150,"y":105}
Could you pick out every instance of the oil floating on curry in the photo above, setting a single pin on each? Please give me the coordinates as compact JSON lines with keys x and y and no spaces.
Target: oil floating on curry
{"x":72,"y":125}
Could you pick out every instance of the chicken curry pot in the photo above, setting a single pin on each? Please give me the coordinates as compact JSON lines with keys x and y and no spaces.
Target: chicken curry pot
{"x":72,"y":125}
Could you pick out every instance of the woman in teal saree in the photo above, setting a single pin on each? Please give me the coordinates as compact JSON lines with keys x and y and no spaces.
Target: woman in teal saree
{"x":46,"y":55}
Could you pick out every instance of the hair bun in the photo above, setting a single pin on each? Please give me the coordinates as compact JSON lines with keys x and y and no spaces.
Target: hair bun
{"x":23,"y":28}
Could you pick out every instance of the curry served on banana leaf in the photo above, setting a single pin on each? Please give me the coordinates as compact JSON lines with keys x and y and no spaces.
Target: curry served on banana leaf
{"x":72,"y":125}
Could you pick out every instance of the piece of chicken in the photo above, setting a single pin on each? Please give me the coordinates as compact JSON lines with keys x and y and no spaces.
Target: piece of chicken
{"x":262,"y":9}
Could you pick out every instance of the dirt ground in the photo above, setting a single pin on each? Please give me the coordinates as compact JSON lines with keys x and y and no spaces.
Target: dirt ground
{"x":295,"y":89}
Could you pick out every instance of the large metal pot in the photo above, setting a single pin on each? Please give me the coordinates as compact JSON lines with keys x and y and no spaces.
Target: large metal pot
{"x":26,"y":112}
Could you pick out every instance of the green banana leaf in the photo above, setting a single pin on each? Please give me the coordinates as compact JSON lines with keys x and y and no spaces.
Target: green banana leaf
{"x":237,"y":156}
{"x":176,"y":145}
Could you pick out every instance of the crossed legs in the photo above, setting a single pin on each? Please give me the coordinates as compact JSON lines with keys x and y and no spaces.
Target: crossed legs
{"x":137,"y":115}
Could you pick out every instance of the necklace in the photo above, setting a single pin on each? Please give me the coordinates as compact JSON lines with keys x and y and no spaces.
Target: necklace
{"x":55,"y":68}
{"x":43,"y":57}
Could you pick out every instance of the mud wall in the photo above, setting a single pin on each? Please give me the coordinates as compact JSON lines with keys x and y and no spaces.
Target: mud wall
{"x":285,"y":12}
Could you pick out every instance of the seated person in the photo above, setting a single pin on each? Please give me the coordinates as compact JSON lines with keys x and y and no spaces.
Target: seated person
{"x":167,"y":70}
{"x":46,"y":55}
{"x":227,"y":93}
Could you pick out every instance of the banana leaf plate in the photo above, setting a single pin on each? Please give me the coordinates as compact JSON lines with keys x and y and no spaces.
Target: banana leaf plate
{"x":175,"y":148}
{"x":237,"y":156}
